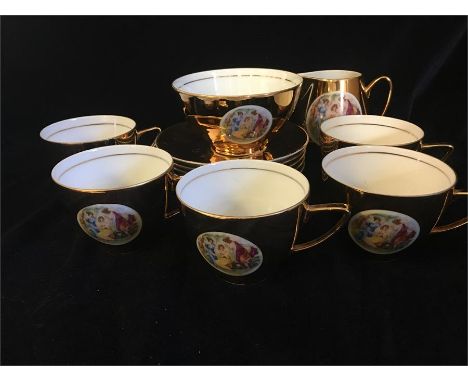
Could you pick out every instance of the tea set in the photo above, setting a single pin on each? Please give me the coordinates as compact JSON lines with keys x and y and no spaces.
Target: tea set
{"x":233,"y":170}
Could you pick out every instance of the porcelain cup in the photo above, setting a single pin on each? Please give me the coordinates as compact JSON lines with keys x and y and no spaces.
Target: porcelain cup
{"x":73,"y":135}
{"x":355,"y":130}
{"x":244,"y":216}
{"x":115,"y":193}
{"x":395,"y":195}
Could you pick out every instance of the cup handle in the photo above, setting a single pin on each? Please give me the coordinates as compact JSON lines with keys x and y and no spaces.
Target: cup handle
{"x":322,"y":208}
{"x":170,"y":181}
{"x":367,"y":90}
{"x":448,"y":147}
{"x":141,"y":132}
{"x":457,"y":223}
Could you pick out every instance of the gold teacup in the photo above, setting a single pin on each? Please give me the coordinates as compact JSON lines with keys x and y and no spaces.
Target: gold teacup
{"x":239,"y":108}
{"x":331,"y":93}
{"x":395,"y":195}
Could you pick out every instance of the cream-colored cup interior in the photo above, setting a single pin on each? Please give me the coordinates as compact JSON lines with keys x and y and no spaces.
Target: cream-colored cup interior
{"x":112,"y":168}
{"x":87,"y":129}
{"x":389,"y":171}
{"x":242,"y":188}
{"x":372,"y":130}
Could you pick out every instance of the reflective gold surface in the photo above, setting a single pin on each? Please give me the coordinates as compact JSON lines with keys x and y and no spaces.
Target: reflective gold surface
{"x":313,"y":88}
{"x":191,"y":147}
{"x":206,"y":111}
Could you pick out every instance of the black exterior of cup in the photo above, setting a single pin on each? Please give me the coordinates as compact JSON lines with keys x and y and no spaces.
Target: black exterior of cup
{"x":425,"y":210}
{"x":273,"y":235}
{"x":147,"y":199}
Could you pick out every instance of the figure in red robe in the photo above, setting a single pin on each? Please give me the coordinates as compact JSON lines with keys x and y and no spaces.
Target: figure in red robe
{"x":123,"y":224}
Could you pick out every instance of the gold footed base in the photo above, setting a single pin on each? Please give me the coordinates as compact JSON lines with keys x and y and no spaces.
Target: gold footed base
{"x":230,"y":150}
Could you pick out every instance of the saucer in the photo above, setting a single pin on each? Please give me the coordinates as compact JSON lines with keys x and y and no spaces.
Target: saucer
{"x":298,"y":164}
{"x":288,"y":161}
{"x":190,"y":146}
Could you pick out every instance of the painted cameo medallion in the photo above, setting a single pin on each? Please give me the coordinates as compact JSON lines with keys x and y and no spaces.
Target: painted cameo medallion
{"x":246,"y":124}
{"x":382,"y":231}
{"x":330,"y":105}
{"x":113,"y":224}
{"x":229,"y":254}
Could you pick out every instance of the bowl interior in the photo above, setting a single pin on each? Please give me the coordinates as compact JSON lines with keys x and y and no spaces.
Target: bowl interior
{"x":242,"y":188}
{"x":237,"y":82}
{"x":87,"y":129}
{"x":112,"y":168}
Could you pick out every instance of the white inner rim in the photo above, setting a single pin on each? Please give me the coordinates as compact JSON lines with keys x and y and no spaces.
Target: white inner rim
{"x":237,"y":82}
{"x":242,"y":188}
{"x":372,"y":130}
{"x":389,"y":171}
{"x":112,"y":168}
{"x":331,"y":74}
{"x":87,"y":129}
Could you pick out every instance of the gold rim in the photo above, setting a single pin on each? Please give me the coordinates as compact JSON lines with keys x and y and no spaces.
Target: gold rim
{"x":249,"y":96}
{"x":80,"y":119}
{"x":130,"y":132}
{"x":402,"y":145}
{"x":374,"y":124}
{"x":101,"y":191}
{"x":229,"y":217}
{"x":359,"y":75}
{"x":395,"y":196}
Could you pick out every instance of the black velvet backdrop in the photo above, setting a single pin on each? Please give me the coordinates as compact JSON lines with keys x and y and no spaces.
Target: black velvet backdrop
{"x":66,"y":301}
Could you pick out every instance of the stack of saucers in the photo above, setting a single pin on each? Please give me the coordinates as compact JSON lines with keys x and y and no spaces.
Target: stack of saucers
{"x":191,"y":147}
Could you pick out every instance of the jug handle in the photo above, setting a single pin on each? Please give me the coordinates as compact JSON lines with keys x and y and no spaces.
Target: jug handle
{"x":367,"y":90}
